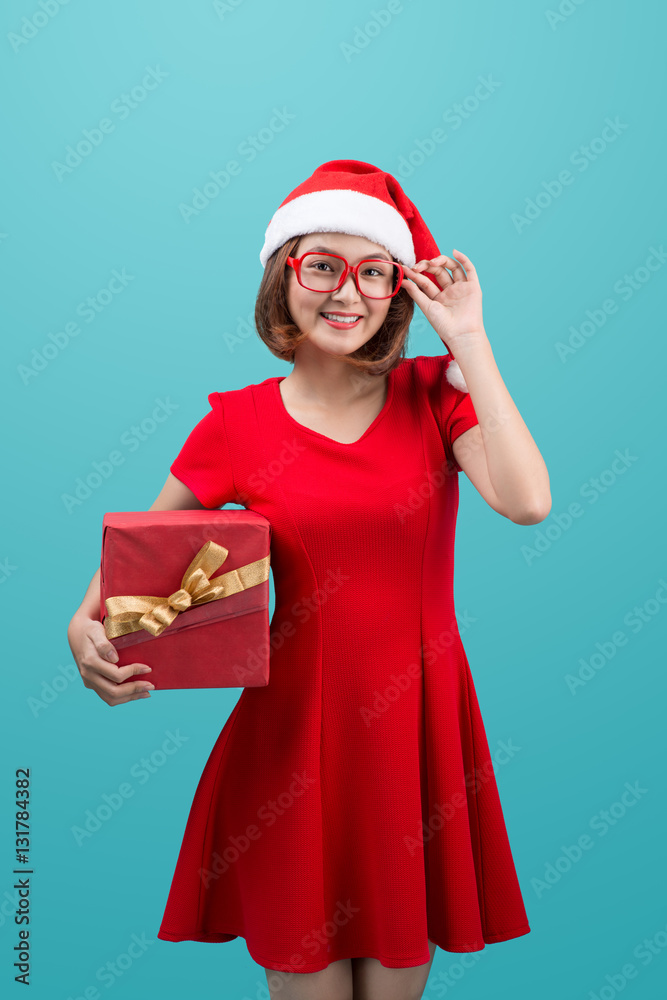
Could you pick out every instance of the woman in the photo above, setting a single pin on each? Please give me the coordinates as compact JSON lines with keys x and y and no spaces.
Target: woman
{"x":347,"y":820}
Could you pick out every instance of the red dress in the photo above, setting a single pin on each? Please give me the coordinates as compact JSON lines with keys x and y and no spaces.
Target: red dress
{"x":349,"y":808}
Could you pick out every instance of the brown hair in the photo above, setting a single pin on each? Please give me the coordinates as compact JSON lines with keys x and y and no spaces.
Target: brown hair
{"x":277,"y":329}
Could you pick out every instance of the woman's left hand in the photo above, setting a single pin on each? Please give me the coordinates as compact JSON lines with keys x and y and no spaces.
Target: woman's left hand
{"x":456,"y":310}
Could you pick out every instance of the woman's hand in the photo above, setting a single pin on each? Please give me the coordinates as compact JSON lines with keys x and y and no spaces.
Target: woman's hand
{"x":454,"y":312}
{"x":95,"y":657}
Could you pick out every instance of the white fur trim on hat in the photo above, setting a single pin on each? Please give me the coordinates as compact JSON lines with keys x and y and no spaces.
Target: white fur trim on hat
{"x":455,"y":377}
{"x":340,"y":211}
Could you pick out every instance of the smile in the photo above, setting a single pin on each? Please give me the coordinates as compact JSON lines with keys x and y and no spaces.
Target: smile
{"x":340,"y":321}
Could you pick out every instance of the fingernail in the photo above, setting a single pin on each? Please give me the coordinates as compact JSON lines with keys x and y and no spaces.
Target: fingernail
{"x":145,"y":670}
{"x":145,"y":694}
{"x":148,"y":687}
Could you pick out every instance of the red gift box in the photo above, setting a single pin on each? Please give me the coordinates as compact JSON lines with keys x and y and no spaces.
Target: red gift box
{"x":208,"y":627}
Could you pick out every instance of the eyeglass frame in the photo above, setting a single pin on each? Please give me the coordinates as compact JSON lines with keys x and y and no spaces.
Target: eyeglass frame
{"x":295,"y":262}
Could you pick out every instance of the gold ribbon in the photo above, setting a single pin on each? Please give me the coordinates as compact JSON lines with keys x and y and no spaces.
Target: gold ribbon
{"x":130,"y":613}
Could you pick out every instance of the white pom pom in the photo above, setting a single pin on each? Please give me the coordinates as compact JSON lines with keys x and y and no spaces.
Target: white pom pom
{"x":455,"y":376}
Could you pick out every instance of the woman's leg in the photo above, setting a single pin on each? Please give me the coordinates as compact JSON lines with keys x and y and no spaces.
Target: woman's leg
{"x":332,"y":983}
{"x":372,"y":980}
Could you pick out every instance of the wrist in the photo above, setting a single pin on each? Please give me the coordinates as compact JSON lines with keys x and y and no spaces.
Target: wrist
{"x":469,"y":342}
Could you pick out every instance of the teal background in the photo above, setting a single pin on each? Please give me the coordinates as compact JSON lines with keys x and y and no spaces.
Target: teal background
{"x":177,"y":332}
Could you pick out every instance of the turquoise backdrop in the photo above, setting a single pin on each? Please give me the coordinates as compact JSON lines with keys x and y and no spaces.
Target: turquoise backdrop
{"x":532,"y":138}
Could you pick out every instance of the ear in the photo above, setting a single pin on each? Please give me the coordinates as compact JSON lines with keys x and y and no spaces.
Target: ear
{"x":455,"y":376}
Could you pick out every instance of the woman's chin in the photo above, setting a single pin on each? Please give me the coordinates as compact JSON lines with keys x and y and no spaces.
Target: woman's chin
{"x":336,"y":341}
{"x":345,"y":344}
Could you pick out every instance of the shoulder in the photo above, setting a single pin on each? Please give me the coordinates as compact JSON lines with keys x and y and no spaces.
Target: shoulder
{"x":230,"y":398}
{"x":235,"y":410}
{"x":433,"y":382}
{"x":434,"y":374}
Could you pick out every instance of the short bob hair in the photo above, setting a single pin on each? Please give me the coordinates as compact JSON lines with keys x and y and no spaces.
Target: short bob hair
{"x":277,"y":329}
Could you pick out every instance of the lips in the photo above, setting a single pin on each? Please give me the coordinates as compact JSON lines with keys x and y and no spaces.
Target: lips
{"x":341,"y":325}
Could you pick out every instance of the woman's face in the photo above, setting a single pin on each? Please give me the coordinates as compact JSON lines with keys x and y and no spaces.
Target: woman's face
{"x":307,"y":308}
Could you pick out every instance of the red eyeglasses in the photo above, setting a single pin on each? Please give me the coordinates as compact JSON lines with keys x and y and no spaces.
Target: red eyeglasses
{"x":376,"y":278}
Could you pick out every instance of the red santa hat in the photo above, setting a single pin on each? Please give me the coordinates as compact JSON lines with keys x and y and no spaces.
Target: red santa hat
{"x":349,"y":196}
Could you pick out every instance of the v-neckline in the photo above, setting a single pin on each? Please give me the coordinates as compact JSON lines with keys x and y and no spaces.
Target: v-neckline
{"x":343,"y":444}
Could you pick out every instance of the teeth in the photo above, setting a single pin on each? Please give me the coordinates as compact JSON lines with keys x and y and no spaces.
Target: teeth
{"x":341,"y":319}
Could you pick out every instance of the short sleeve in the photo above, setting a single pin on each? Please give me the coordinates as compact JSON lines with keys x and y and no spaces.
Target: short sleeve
{"x":203,"y":464}
{"x":457,"y":414}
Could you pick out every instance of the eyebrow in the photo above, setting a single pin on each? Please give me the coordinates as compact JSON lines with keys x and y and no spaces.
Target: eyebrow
{"x":362,"y":257}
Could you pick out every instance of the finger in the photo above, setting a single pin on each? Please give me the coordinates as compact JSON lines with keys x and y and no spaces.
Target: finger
{"x":436,"y":263}
{"x":115,"y":693}
{"x":423,"y":283}
{"x":123,"y":701}
{"x":112,"y":702}
{"x":115,"y":675}
{"x":469,"y":266}
{"x":421,"y":298}
{"x":121,"y":696}
{"x":105,"y":648}
{"x":455,"y":266}
{"x":92,"y":665}
{"x":442,"y":276}
{"x":97,"y":661}
{"x":438,"y":267}
{"x":435,"y":260}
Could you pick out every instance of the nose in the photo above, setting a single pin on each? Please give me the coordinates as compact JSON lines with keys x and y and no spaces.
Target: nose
{"x":344,"y":291}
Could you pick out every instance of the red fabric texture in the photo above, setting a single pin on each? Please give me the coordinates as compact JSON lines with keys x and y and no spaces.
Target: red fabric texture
{"x":349,"y":808}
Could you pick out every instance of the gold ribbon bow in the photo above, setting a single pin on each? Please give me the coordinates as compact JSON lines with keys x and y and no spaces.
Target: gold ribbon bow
{"x":130,"y":613}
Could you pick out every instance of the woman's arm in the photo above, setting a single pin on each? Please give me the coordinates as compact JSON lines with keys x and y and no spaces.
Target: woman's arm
{"x":93,"y":653}
{"x":499,"y":455}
